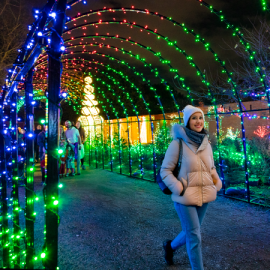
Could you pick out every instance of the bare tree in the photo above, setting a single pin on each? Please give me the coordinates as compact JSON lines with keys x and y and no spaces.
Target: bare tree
{"x":13,"y":32}
{"x":247,"y":81}
{"x":244,"y":72}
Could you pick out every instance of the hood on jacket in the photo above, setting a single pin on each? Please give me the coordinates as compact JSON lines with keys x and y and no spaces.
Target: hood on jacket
{"x":178,"y":132}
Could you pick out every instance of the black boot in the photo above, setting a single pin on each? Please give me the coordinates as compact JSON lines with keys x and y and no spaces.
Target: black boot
{"x":168,"y":252}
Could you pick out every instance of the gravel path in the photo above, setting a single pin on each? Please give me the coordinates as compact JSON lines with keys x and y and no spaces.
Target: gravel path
{"x":110,"y":221}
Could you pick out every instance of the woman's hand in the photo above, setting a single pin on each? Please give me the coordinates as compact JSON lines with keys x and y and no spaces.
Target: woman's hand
{"x":216,"y":180}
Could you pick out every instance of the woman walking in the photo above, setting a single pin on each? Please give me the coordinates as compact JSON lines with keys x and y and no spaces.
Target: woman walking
{"x":196,"y":185}
{"x":82,"y":134}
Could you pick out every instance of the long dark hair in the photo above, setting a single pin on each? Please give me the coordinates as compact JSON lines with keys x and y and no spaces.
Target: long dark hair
{"x":203,"y":131}
{"x":81,"y":129}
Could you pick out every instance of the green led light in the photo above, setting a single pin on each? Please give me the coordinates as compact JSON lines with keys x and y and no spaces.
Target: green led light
{"x":55,"y":202}
{"x":42,"y":255}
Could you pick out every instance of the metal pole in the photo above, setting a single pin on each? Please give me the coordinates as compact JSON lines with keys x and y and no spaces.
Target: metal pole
{"x":90,"y":145}
{"x":119,"y":141}
{"x":129,"y":154}
{"x":102,"y":138}
{"x":246,"y":159}
{"x":29,"y":192}
{"x":96,"y":145}
{"x":110,"y":145}
{"x":15,"y":178}
{"x":154,"y":153}
{"x":141,"y":158}
{"x":220,"y":158}
{"x":3,"y":178}
{"x":54,"y":83}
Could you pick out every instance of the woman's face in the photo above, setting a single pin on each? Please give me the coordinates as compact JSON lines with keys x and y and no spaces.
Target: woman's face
{"x":78,"y":124}
{"x":196,"y":122}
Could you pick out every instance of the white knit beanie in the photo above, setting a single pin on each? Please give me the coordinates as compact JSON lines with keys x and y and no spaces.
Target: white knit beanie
{"x":188,"y":111}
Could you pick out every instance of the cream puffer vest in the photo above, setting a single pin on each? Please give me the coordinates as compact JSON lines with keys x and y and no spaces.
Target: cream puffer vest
{"x":198,"y":173}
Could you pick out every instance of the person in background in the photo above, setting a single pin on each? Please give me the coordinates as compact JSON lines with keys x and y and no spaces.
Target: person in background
{"x":82,"y":134}
{"x":70,"y":164}
{"x":36,"y":147}
{"x":41,"y":141}
{"x":62,"y":139}
{"x":63,"y":159}
{"x":21,"y":153}
{"x":21,"y":137}
{"x":74,"y":139}
{"x":195,"y":186}
{"x":42,"y":166}
{"x":63,"y":156}
{"x":41,"y":138}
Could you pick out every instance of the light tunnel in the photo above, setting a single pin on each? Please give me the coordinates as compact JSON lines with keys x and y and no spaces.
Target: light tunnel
{"x":128,"y":73}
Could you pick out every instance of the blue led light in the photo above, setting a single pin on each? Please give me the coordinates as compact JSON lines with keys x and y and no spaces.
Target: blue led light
{"x":53,"y":15}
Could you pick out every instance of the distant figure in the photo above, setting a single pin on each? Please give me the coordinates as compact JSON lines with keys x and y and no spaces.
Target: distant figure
{"x":82,"y":134}
{"x":36,"y":147}
{"x":63,"y":160}
{"x":70,"y":157}
{"x":42,"y":166}
{"x":21,"y":153}
{"x":62,"y":139}
{"x":41,"y":142}
{"x":74,"y":139}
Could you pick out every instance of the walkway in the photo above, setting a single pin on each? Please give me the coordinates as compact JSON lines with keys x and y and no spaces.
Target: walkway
{"x":110,"y":221}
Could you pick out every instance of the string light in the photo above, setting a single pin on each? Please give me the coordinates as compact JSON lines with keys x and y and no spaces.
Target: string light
{"x":104,"y":94}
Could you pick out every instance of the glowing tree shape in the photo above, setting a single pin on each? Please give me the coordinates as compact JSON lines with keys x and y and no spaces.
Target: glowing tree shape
{"x":261,"y":131}
{"x":232,"y":134}
{"x":90,"y":112}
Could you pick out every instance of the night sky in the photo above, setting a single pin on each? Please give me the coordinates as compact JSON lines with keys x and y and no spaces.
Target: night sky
{"x":196,"y":17}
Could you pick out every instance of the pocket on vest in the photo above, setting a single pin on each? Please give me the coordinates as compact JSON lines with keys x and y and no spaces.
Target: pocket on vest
{"x":209,"y":193}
